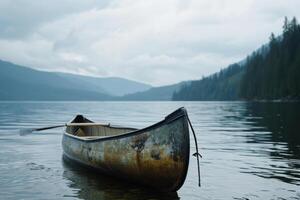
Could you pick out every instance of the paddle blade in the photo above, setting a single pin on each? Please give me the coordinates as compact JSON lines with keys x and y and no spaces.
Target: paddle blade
{"x":26,"y":131}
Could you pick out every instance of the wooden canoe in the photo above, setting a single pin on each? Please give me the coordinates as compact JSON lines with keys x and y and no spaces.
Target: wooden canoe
{"x":155,"y":156}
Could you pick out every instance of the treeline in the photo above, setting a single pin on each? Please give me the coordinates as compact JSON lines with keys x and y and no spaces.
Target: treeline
{"x":271,"y":73}
{"x":275,"y":75}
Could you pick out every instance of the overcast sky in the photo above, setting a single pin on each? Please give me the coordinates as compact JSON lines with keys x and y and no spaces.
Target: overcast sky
{"x":153,"y":41}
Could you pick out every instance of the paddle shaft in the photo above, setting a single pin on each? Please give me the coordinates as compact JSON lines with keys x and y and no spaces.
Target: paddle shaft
{"x":69,"y":124}
{"x":49,"y":127}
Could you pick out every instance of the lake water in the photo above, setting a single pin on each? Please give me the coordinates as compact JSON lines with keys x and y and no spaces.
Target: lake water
{"x":250,"y":150}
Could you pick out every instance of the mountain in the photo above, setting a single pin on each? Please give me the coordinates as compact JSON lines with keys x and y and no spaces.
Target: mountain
{"x":271,"y":72}
{"x":112,"y":85}
{"x":23,"y":83}
{"x":163,"y":93}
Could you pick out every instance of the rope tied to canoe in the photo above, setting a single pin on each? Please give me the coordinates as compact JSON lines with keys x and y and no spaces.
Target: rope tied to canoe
{"x":196,"y":154}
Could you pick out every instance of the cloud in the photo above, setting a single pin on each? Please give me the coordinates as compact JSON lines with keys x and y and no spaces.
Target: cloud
{"x":158,"y":42}
{"x":20,"y":18}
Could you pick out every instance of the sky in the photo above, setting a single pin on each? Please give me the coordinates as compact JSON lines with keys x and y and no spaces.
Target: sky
{"x":151,"y":41}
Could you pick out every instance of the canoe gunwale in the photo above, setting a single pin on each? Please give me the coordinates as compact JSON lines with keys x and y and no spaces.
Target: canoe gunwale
{"x":181,"y":112}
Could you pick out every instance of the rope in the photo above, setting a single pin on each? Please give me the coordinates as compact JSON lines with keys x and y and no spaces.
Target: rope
{"x":196,"y":154}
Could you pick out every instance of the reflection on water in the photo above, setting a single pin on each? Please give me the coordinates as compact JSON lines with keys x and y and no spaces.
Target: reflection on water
{"x":250,"y":150}
{"x":279,"y":126}
{"x":281,"y":121}
{"x":90,"y":185}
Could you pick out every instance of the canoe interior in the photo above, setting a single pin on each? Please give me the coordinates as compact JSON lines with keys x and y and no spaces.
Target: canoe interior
{"x":95,"y":131}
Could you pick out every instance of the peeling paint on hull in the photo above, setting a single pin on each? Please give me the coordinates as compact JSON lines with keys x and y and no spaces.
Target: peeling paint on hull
{"x":156,"y":156}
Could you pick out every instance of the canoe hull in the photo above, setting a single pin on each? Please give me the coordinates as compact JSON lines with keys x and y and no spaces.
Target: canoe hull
{"x":156,"y":156}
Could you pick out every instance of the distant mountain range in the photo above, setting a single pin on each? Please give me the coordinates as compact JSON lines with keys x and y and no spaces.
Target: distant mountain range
{"x":23,"y":83}
{"x":163,"y":93}
{"x":112,"y":85}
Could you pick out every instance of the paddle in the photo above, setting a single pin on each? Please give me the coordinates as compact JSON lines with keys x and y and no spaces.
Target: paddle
{"x":27,"y":131}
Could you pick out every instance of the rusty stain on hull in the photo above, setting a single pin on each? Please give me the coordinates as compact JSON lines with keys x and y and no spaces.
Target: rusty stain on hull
{"x":156,"y":156}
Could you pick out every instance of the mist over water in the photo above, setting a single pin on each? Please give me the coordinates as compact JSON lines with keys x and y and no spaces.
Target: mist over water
{"x":250,"y":150}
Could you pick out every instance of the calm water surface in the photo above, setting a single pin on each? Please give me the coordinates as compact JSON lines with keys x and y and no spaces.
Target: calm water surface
{"x":250,"y":150}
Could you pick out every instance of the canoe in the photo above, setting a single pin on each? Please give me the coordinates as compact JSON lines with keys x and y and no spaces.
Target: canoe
{"x":156,"y":156}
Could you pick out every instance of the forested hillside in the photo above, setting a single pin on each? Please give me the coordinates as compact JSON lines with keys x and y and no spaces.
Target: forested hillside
{"x":272,"y":72}
{"x":275,"y":75}
{"x":223,"y":85}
